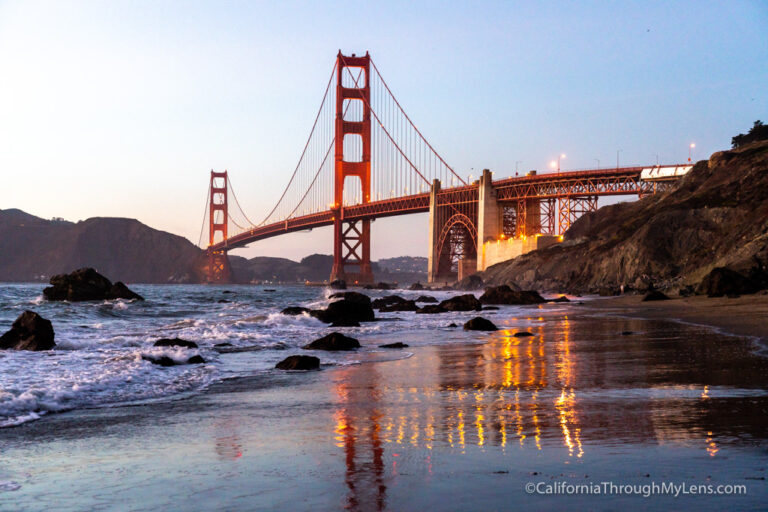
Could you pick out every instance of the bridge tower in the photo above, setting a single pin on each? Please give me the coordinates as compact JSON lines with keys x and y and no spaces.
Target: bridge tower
{"x":352,"y":240}
{"x":218,"y":263}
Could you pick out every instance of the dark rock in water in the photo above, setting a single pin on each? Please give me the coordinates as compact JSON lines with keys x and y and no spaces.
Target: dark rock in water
{"x":29,"y":331}
{"x":431,"y":309}
{"x":269,"y":290}
{"x":333,"y":341}
{"x":387,"y":301}
{"x":360,"y":298}
{"x":452,"y":325}
{"x":561,"y":298}
{"x":299,"y":363}
{"x":522,"y":334}
{"x":407,"y":305}
{"x":654,"y":295}
{"x":505,"y":295}
{"x":490,"y":308}
{"x":473,"y":282}
{"x":294,"y":311}
{"x":427,"y":298}
{"x":627,"y":333}
{"x":87,"y":284}
{"x":480,"y":324}
{"x":226,"y":291}
{"x":175,"y":342}
{"x":223,"y":301}
{"x":724,"y":281}
{"x":338,"y":284}
{"x":345,"y":322}
{"x":383,"y":286}
{"x":417,"y":286}
{"x":398,"y":344}
{"x":167,"y":361}
{"x":354,"y":307}
{"x":222,"y":345}
{"x":466,"y":302}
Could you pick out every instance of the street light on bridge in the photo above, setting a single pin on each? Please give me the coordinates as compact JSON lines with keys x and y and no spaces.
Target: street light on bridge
{"x":556,"y":164}
{"x":690,"y":149}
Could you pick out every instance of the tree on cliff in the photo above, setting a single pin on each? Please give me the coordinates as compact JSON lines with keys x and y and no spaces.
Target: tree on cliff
{"x":758,"y":132}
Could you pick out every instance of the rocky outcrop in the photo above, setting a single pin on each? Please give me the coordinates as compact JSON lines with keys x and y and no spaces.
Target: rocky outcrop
{"x":86,"y":284}
{"x":417,"y":286}
{"x":427,"y":299}
{"x":352,"y":309}
{"x":480,"y":324}
{"x":338,"y":284}
{"x":504,"y":294}
{"x":724,"y":281}
{"x":333,"y":342}
{"x":299,"y":363}
{"x":175,"y":342}
{"x":471,"y":282}
{"x":716,"y":216}
{"x":29,"y":331}
{"x":294,"y":311}
{"x":467,"y":302}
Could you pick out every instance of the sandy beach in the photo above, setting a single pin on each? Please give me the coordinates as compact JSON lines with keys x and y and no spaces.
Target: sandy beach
{"x":464,"y":425}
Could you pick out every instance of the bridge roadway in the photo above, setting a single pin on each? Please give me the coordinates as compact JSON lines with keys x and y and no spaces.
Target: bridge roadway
{"x":602,"y":182}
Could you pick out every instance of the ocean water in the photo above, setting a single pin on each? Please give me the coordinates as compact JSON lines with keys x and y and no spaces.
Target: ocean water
{"x":98,"y":359}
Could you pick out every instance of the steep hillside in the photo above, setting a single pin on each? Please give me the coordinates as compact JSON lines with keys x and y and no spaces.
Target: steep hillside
{"x":33,"y":249}
{"x":716,"y":216}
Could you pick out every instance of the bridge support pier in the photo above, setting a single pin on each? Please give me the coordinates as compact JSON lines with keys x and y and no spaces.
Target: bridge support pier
{"x":489,"y":217}
{"x":433,"y":234}
{"x":218,"y":263}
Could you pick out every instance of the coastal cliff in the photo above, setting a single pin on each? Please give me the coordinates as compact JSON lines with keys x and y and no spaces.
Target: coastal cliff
{"x":716,"y":216}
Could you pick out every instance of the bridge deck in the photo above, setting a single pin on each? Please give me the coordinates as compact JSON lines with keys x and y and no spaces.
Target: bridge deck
{"x":603,"y":182}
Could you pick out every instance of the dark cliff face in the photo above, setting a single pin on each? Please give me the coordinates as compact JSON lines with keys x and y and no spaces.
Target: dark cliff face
{"x":716,"y":216}
{"x":33,"y":249}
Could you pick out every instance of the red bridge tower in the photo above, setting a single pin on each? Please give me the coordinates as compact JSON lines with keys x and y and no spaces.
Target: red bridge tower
{"x":352,"y":240}
{"x":218,"y":263}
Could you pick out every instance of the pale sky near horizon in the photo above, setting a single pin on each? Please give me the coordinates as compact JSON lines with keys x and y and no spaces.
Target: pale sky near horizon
{"x":122,"y":108}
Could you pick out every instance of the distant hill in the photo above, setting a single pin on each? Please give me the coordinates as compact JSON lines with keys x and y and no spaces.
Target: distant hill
{"x":34,"y":249}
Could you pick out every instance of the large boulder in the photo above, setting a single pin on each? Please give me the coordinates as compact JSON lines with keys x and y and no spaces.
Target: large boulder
{"x":352,"y":296}
{"x":387,"y":301}
{"x":175,"y":342}
{"x":299,"y":363}
{"x":29,"y":331}
{"x":406,"y":305}
{"x":417,"y":286}
{"x":353,"y":308}
{"x":480,"y":324}
{"x":333,"y":341}
{"x":724,"y":281}
{"x":87,"y":284}
{"x":427,"y":299}
{"x":467,"y":302}
{"x":505,"y":295}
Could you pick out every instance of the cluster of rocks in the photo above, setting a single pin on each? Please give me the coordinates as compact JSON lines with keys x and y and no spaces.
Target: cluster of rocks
{"x":351,"y":309}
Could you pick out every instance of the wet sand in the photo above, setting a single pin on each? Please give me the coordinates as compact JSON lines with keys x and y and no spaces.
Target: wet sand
{"x":459,"y":426}
{"x":745,"y":316}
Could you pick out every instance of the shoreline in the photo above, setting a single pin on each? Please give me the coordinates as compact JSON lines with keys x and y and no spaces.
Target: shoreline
{"x":746,"y":315}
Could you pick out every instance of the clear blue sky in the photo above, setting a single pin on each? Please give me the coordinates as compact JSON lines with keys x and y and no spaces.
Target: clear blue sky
{"x":122,"y":108}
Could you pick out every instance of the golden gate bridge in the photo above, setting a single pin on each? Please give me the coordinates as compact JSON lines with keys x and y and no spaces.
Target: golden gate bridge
{"x":364,"y":158}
